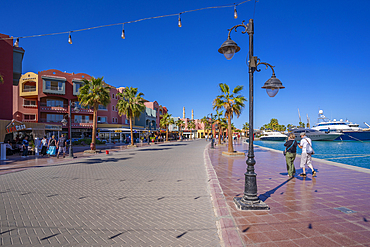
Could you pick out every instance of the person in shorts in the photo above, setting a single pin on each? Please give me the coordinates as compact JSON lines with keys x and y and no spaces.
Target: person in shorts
{"x":306,"y":157}
{"x":62,"y":144}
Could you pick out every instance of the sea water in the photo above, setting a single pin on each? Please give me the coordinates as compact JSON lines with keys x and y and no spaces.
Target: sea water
{"x":353,"y":153}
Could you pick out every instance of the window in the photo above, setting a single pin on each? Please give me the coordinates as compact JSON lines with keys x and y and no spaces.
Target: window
{"x":29,"y":117}
{"x":112,"y":120}
{"x":54,"y":118}
{"x":29,"y":103}
{"x":54,"y":85}
{"x":112,"y":96}
{"x":76,"y":88}
{"x":116,"y":120}
{"x":113,"y":108}
{"x":127,"y":121}
{"x":101,"y":107}
{"x":81,"y":119}
{"x":102,"y":119}
{"x":54,"y":103}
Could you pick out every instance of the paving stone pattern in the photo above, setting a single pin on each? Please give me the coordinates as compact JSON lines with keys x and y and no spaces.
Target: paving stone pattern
{"x":153,"y":196}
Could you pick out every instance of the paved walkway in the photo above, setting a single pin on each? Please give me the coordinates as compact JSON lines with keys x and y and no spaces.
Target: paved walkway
{"x":303,"y":210}
{"x":149,"y":196}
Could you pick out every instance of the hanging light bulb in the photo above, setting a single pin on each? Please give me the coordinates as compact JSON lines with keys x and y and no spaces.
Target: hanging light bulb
{"x":123,"y":32}
{"x":16,"y":43}
{"x":235,"y":13}
{"x":179,"y":23}
{"x":70,"y":38}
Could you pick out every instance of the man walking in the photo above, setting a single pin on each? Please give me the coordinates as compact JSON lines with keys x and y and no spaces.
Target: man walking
{"x":306,"y":157}
{"x":25,"y":147}
{"x":62,"y":143}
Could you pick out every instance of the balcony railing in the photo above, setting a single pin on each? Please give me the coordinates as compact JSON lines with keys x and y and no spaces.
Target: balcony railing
{"x":44,"y":120}
{"x":29,"y":120}
{"x":29,"y":89}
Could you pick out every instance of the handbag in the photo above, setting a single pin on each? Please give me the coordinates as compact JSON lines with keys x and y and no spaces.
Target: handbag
{"x":311,"y":151}
{"x":284,"y":152}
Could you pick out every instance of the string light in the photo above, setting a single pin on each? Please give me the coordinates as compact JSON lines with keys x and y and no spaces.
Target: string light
{"x":16,"y":43}
{"x":139,"y":20}
{"x":123,"y":32}
{"x":179,"y":23}
{"x":70,"y":38}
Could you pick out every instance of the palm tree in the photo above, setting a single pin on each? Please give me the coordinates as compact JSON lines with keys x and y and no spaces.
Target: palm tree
{"x":180,"y":124}
{"x":205,"y":122}
{"x":130,"y":103}
{"x":245,"y":127}
{"x":218,"y":117}
{"x":93,"y":93}
{"x":233,"y":103}
{"x":223,"y":125}
{"x":165,"y":122}
{"x":191,"y":126}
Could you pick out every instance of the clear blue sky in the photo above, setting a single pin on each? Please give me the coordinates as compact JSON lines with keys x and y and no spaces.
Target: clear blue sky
{"x":320,"y":50}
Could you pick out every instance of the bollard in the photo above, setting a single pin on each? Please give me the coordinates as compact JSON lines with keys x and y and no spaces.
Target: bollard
{"x":106,"y":151}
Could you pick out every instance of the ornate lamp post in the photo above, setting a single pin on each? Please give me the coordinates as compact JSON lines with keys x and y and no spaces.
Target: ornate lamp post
{"x":250,"y":200}
{"x":64,"y":122}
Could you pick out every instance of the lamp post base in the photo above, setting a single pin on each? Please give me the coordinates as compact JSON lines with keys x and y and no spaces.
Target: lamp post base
{"x":250,"y":205}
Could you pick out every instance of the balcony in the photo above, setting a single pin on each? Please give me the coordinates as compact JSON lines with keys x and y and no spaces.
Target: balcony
{"x":54,"y":109}
{"x":44,"y":120}
{"x":82,"y":123}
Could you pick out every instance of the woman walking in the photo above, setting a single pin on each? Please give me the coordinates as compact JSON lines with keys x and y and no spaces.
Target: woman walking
{"x":291,"y":152}
{"x":52,"y":146}
{"x":306,"y":157}
{"x":44,"y":146}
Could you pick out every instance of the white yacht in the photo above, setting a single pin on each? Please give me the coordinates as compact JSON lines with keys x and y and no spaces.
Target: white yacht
{"x":272,"y":136}
{"x":350,"y":131}
{"x":315,"y":135}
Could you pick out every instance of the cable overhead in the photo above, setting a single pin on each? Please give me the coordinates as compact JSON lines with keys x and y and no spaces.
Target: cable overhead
{"x":129,"y":22}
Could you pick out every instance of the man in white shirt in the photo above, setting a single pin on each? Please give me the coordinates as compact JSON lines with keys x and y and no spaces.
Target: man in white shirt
{"x":306,"y":157}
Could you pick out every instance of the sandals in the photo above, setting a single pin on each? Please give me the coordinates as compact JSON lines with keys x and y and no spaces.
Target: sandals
{"x":303,"y":175}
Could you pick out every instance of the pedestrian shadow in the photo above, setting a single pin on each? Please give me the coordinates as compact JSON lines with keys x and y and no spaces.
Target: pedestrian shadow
{"x":267,"y":194}
{"x":170,"y":145}
{"x":152,"y":149}
{"x":98,"y":161}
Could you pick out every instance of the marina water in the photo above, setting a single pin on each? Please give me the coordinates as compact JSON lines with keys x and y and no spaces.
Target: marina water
{"x":353,"y":153}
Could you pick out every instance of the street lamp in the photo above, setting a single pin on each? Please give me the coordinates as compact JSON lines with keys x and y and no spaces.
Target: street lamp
{"x":64,"y":122}
{"x":250,"y":200}
{"x":212,"y":140}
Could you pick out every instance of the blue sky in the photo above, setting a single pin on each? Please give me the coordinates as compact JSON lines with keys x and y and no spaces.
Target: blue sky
{"x":320,"y":50}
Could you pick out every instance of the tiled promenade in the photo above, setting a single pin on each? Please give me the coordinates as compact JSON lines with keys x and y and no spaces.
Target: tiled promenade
{"x":147,"y":196}
{"x":302,"y":209}
{"x":162,"y":195}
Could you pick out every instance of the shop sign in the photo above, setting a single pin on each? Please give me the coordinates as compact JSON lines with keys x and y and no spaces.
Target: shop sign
{"x":15,"y":128}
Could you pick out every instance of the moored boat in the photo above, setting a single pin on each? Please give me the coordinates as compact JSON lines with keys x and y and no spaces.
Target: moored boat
{"x":273,"y":136}
{"x":315,"y":135}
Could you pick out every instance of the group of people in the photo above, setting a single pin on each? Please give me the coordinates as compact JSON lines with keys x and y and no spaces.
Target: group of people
{"x":306,"y":157}
{"x":53,"y":147}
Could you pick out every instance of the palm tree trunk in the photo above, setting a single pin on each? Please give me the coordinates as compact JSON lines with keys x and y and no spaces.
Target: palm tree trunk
{"x":132,"y":133}
{"x":229,"y":134}
{"x":167,"y":134}
{"x":219,"y":135}
{"x":93,"y":137}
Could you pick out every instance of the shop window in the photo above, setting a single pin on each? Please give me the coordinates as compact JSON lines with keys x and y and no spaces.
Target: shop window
{"x":31,"y":103}
{"x":102,"y":119}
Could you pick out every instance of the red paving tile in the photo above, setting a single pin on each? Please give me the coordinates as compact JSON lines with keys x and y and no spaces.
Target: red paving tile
{"x":302,"y":211}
